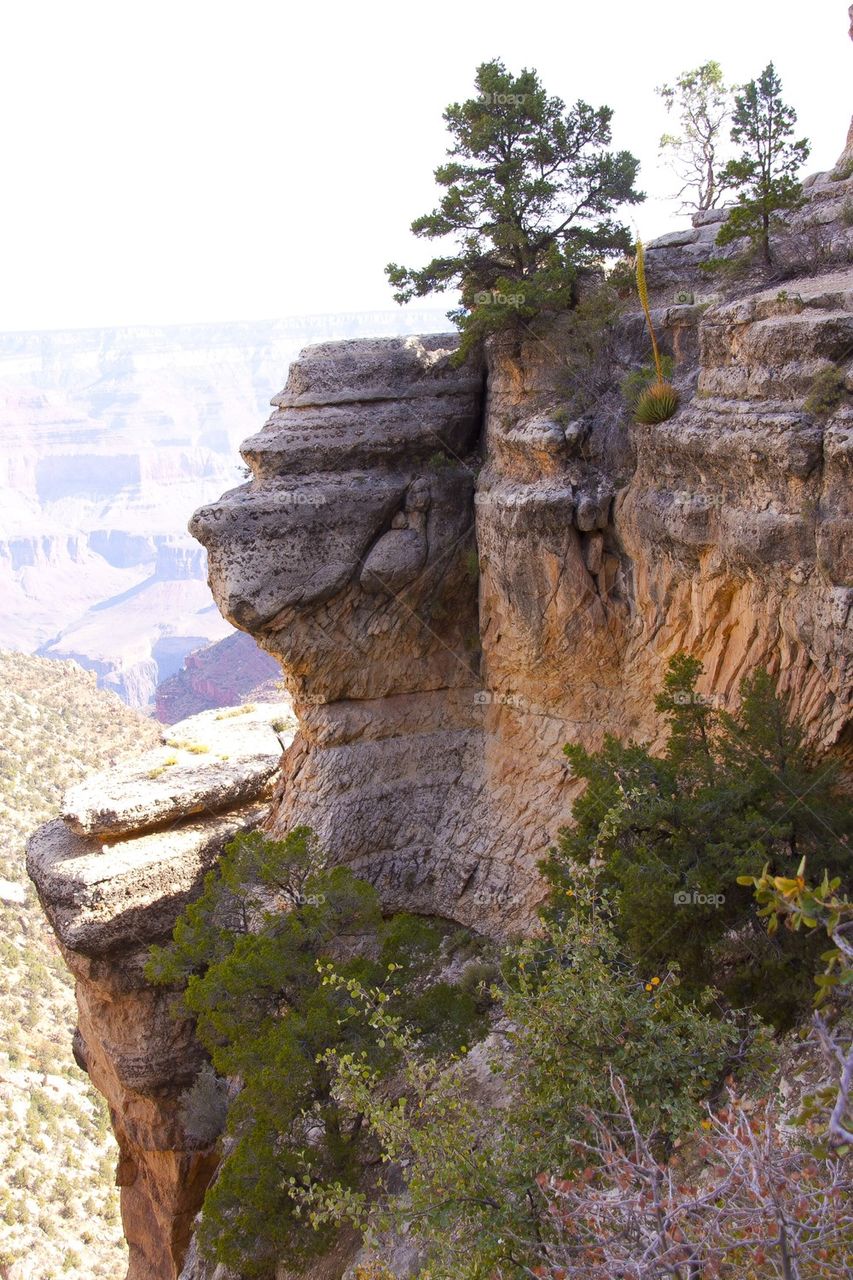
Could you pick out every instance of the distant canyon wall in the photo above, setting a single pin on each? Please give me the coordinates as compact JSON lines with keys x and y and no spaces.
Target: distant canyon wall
{"x":109,"y":437}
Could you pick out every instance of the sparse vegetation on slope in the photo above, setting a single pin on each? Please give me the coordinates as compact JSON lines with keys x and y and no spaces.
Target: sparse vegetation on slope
{"x":58,"y":1205}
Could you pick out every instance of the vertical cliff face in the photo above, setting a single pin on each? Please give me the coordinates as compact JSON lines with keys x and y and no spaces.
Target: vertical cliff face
{"x":459,"y":572}
{"x":435,"y":687}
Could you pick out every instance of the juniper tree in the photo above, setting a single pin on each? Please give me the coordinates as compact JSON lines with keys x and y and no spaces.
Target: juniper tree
{"x":530,"y":194}
{"x":674,"y":830}
{"x":765,"y":172}
{"x":246,"y":962}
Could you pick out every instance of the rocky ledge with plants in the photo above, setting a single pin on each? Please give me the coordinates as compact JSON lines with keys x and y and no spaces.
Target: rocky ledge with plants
{"x":468,"y":556}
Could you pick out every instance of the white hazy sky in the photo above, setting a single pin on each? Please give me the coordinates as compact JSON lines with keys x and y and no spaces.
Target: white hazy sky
{"x":186,"y":161}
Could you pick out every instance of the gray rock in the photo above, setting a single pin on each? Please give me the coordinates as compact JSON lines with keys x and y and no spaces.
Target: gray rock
{"x":211,"y":762}
{"x":675,"y":239}
{"x":399,"y":555}
{"x":592,"y":510}
{"x":105,"y":897}
{"x":710,"y":217}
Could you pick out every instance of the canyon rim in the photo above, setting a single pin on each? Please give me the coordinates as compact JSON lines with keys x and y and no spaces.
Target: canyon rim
{"x":458,"y":577}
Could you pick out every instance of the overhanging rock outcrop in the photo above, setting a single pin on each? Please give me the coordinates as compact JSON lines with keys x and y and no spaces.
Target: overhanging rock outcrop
{"x":113,"y":873}
{"x":455,"y":587}
{"x":461,"y":567}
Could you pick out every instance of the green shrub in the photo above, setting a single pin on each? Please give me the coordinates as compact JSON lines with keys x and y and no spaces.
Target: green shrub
{"x":658,"y":404}
{"x":674,"y":831}
{"x":657,"y":401}
{"x":826,"y":392}
{"x":576,"y":1011}
{"x":638,"y":381}
{"x":249,"y":958}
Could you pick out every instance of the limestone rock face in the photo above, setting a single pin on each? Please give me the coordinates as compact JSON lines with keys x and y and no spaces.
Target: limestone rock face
{"x":459,"y":572}
{"x":209,"y":763}
{"x":810,"y":241}
{"x":434,"y":767}
{"x":113,"y":874}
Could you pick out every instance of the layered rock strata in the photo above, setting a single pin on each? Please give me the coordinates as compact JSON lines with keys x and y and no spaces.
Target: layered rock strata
{"x":434,"y":686}
{"x":129,"y":852}
{"x":460,"y":568}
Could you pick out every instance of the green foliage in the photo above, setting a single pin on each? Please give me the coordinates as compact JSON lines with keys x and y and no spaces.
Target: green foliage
{"x":702,"y":101}
{"x":801,"y":905}
{"x":672,"y":832}
{"x":585,"y":347}
{"x":639,"y":380}
{"x":765,"y":172}
{"x":657,"y":404}
{"x":529,"y":194}
{"x":575,"y":1011}
{"x":249,"y":956}
{"x":843,"y":171}
{"x":659,"y":400}
{"x":826,"y":392}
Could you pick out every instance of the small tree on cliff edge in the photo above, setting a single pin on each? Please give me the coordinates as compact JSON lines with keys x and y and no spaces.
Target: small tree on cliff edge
{"x":530,"y":192}
{"x":701,"y":100}
{"x":765,"y":172}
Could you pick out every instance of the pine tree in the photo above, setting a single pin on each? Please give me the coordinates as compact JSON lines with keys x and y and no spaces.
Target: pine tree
{"x":530,"y":190}
{"x":766,"y":170}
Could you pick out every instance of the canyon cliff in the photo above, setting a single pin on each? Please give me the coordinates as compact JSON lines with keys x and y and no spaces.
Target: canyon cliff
{"x":460,"y":570}
{"x":457,"y":580}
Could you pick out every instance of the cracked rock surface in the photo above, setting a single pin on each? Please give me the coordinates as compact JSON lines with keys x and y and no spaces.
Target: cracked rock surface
{"x":113,"y":874}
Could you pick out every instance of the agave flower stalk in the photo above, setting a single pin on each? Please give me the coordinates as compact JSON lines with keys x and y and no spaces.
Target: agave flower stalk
{"x":660,"y":401}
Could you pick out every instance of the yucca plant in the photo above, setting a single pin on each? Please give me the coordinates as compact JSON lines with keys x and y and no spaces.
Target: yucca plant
{"x":660,"y":400}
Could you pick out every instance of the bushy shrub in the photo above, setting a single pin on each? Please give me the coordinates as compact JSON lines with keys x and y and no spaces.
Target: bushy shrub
{"x":672,"y":832}
{"x":575,"y":1012}
{"x":249,"y":958}
{"x":656,"y":405}
{"x":826,"y":392}
{"x":635,"y":383}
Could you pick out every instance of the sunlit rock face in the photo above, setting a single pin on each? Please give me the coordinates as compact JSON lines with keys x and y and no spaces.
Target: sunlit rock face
{"x":436,"y":684}
{"x":461,"y":568}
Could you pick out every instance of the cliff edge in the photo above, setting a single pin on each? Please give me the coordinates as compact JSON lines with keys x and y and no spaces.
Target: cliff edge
{"x":460,"y":568}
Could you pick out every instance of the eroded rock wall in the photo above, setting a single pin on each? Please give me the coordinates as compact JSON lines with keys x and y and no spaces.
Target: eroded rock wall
{"x":113,"y":873}
{"x":459,"y":572}
{"x":435,"y":684}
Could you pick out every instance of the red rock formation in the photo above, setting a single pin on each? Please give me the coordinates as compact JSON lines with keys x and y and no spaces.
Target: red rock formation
{"x":224,"y":674}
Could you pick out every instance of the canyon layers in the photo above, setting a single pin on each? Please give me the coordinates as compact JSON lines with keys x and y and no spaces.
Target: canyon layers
{"x":460,"y":569}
